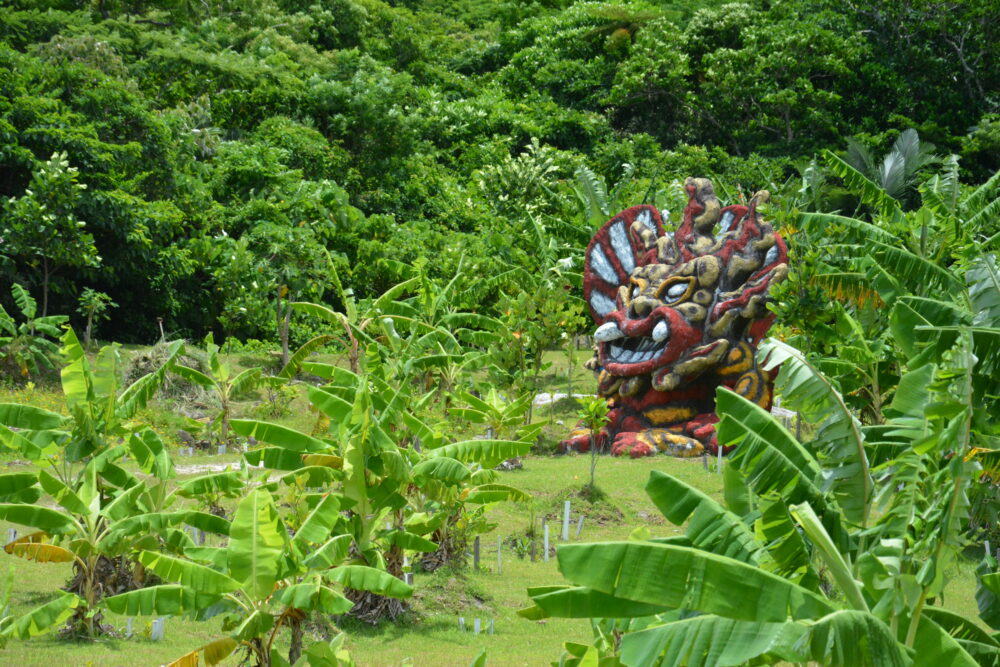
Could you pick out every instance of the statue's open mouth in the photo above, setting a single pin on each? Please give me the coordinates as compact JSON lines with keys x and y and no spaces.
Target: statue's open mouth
{"x":633,"y":350}
{"x":617,"y":348}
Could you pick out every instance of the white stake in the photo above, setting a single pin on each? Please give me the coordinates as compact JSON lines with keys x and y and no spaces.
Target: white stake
{"x":461,"y":623}
{"x":476,"y":627}
{"x":565,"y":531}
{"x":545,"y":543}
{"x":579,"y":525}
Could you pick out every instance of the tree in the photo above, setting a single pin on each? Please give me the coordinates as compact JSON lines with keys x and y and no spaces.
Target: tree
{"x":24,"y":346}
{"x":98,"y":498}
{"x":222,"y":383}
{"x":94,"y":306}
{"x":593,"y":417}
{"x":42,"y":224}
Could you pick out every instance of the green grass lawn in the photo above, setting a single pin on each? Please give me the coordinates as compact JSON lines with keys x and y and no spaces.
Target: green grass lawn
{"x":429,"y":634}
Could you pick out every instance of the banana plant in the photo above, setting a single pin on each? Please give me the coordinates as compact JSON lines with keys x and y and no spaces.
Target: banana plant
{"x":261,"y":581}
{"x":818,"y":554}
{"x":500,"y":415}
{"x":24,"y":346}
{"x":97,"y":528}
{"x":99,"y":413}
{"x":368,"y":452}
{"x":222,"y":383}
{"x":81,"y":460}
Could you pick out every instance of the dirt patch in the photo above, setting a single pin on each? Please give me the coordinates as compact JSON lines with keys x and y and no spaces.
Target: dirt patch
{"x":595,"y":504}
{"x":451,"y":592}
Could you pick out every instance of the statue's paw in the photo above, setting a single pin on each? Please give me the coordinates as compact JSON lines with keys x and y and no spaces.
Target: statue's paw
{"x":631,"y":444}
{"x":578,"y":441}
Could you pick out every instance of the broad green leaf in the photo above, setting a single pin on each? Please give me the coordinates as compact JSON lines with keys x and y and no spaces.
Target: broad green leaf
{"x":839,"y":438}
{"x":210,"y":523}
{"x":28,"y":417}
{"x":164,"y":600}
{"x":409,"y":541}
{"x":688,"y":578}
{"x":330,"y":554}
{"x":736,"y":491}
{"x":281,"y":436}
{"x":257,"y":624}
{"x":711,"y":526}
{"x":806,"y":517}
{"x":487,"y":453}
{"x":192,"y":575}
{"x":151,"y":454}
{"x":44,"y":618}
{"x":314,"y":597}
{"x":850,"y":638}
{"x":25,"y":302}
{"x":194,"y":376}
{"x":789,"y":554}
{"x":15,"y":482}
{"x":276,"y":458}
{"x":442,"y":469}
{"x":363,"y":578}
{"x":257,"y":540}
{"x":582,"y":602}
{"x":301,"y":354}
{"x":61,"y":493}
{"x":494,"y":493}
{"x":245,"y":381}
{"x":25,"y":447}
{"x":708,"y":641}
{"x":933,"y":646}
{"x":317,"y":526}
{"x":51,"y":521}
{"x":772,"y":460}
{"x":228,"y":483}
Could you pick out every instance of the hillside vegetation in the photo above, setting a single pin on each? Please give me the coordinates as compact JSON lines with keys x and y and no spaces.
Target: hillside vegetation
{"x":194,"y":160}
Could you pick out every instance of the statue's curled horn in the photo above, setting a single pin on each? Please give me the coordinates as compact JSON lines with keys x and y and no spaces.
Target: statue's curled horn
{"x":678,"y":314}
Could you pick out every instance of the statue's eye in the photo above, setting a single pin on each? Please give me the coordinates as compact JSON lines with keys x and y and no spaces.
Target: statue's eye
{"x":677,"y":291}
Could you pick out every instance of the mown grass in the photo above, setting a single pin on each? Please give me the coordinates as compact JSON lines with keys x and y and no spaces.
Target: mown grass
{"x":429,"y":634}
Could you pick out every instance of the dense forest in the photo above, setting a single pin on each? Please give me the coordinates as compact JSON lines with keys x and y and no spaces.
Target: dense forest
{"x":206,"y":162}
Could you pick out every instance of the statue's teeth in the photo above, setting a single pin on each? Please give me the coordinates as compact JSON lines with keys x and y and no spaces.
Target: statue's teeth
{"x":661,"y":331}
{"x":608,"y":331}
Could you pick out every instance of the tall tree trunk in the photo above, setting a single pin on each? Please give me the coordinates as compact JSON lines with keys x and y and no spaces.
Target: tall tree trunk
{"x":88,"y":330}
{"x":284,"y":334}
{"x":45,"y":288}
{"x":298,"y":633}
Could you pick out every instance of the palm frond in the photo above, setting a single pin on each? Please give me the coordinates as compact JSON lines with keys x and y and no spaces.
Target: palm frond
{"x":869,"y":192}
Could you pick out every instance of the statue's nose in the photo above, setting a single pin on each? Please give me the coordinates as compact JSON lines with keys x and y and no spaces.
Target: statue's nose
{"x":641,"y":306}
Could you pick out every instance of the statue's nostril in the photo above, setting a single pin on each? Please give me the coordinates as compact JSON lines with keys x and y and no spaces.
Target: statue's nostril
{"x":640,"y":307}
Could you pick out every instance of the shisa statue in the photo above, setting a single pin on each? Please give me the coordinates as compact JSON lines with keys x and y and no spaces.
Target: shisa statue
{"x":678,"y":315}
